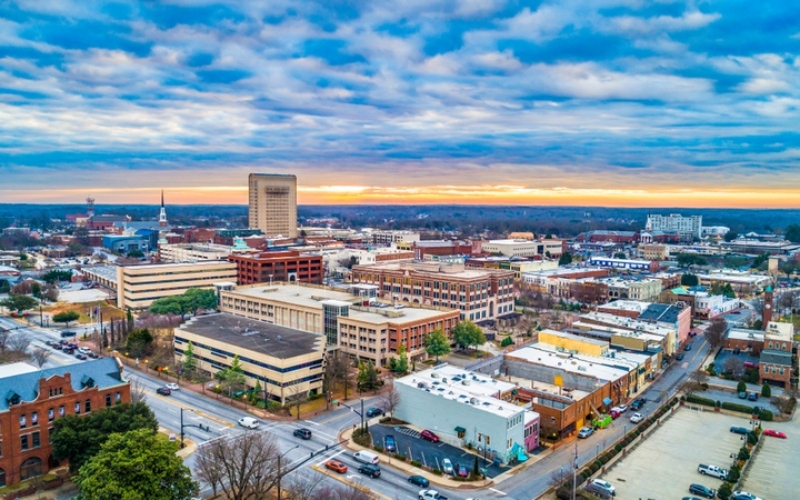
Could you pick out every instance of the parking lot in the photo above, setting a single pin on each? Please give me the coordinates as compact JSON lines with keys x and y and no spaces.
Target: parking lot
{"x":773,"y":473}
{"x":722,"y":395}
{"x":665,"y":464}
{"x":411,"y":445}
{"x":719,"y":361}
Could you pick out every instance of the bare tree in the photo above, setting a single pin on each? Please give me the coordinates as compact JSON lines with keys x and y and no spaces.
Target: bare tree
{"x":4,"y":335}
{"x":296,"y":398}
{"x":18,"y":343}
{"x":696,"y":382}
{"x":390,"y":399}
{"x":734,"y":366}
{"x":40,"y":356}
{"x":208,"y":469}
{"x":246,"y":465}
{"x":715,"y":333}
{"x":137,"y":391}
{"x":303,"y":487}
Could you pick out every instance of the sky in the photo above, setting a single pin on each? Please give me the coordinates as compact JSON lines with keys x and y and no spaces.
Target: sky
{"x":577,"y":102}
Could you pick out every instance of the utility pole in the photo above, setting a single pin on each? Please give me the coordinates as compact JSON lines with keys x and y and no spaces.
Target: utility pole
{"x":575,"y":472}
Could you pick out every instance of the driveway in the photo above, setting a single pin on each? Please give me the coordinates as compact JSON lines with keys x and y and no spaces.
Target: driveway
{"x":719,"y":362}
{"x":410,"y":444}
{"x":723,"y":395}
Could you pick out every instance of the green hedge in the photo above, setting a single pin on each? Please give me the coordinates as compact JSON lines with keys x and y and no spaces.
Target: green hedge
{"x":415,"y":463}
{"x":765,"y":415}
{"x":738,"y":407}
{"x":700,"y":401}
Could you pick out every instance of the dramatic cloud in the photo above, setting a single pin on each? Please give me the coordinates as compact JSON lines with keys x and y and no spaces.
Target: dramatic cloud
{"x":572,"y":101}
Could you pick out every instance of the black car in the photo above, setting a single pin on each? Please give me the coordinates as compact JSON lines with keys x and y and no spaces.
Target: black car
{"x":753,"y":396}
{"x":69,"y":350}
{"x":637,"y":405}
{"x":688,"y":347}
{"x":81,"y":356}
{"x":164,"y":391}
{"x":740,"y":430}
{"x":679,"y":357}
{"x":57,"y":346}
{"x":699,"y":489}
{"x":389,"y":444}
{"x":372,"y":471}
{"x":374,"y":412}
{"x":302,"y":433}
{"x":419,"y":481}
{"x":93,"y":355}
{"x":65,"y":335}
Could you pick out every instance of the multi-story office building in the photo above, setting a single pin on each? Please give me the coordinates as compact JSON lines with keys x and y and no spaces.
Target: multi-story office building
{"x":185,"y":252}
{"x":689,"y":228}
{"x":34,"y":399}
{"x":289,"y":266}
{"x":480,"y":294}
{"x":139,"y":285}
{"x":380,"y":237}
{"x":625,"y":264}
{"x":354,"y":322}
{"x":287,"y":363}
{"x":273,"y":204}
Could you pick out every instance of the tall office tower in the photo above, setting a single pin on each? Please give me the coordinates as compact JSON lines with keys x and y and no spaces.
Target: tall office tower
{"x":273,"y":204}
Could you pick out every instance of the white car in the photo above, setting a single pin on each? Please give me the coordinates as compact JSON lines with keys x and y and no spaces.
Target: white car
{"x":84,"y":350}
{"x":743,"y":495}
{"x":447,"y":466}
{"x":623,"y":408}
{"x":636,"y":418}
{"x":605,"y":485}
{"x":172,"y":386}
{"x":249,"y":422}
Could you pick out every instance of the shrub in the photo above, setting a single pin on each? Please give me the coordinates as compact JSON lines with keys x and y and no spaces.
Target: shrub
{"x":603,"y":459}
{"x":673,"y":402}
{"x":765,"y":415}
{"x":385,"y":419}
{"x":724,"y":491}
{"x":704,"y":386}
{"x":766,"y":390}
{"x":752,"y":438}
{"x":564,"y":493}
{"x":593,"y":468}
{"x":712,"y":371}
{"x":437,"y":472}
{"x":700,"y":401}
{"x":415,"y":463}
{"x":744,"y":454}
{"x":789,"y":408}
{"x":738,"y":407}
{"x":598,"y":463}
{"x":378,"y":448}
{"x":637,"y":432}
{"x":741,"y":386}
{"x":718,"y":404}
{"x":400,"y":456}
{"x":618,"y":447}
{"x":734,"y":474}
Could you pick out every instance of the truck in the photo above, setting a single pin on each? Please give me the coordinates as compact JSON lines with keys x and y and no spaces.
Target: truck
{"x":430,"y":495}
{"x":713,"y":471}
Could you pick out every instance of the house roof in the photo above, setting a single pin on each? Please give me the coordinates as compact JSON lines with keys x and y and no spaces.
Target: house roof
{"x":103,"y":372}
{"x":771,"y":356}
{"x":660,"y":312}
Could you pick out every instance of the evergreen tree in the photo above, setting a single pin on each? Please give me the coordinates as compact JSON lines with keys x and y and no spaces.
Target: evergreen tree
{"x":189,"y":360}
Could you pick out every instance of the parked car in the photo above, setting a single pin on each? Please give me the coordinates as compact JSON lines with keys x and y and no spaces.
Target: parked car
{"x":372,"y":471}
{"x":430,"y":436}
{"x":374,"y":412}
{"x":68,"y":350}
{"x":688,"y":347}
{"x":585,"y":432}
{"x":753,"y":396}
{"x":699,"y":489}
{"x":751,"y":365}
{"x":598,"y":491}
{"x":430,"y":495}
{"x":419,"y":481}
{"x":81,"y":356}
{"x":57,"y":346}
{"x":172,"y":386}
{"x":774,"y":433}
{"x":615,"y":413}
{"x":636,"y":418}
{"x":302,"y":433}
{"x":93,"y":355}
{"x":679,"y":357}
{"x":389,"y":444}
{"x":461,"y":471}
{"x":743,"y":395}
{"x":84,"y":350}
{"x":67,"y":334}
{"x":336,"y":466}
{"x":447,"y":466}
{"x":623,"y":408}
{"x":249,"y":422}
{"x":605,"y":485}
{"x":72,"y":345}
{"x":743,"y":495}
{"x":740,"y":430}
{"x":713,"y":471}
{"x":163,"y":391}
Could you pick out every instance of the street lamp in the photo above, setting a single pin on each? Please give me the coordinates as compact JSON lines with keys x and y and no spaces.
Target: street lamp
{"x":199,"y":426}
{"x":280,"y":474}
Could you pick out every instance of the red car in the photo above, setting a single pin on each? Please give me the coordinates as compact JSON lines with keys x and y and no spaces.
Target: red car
{"x":426,"y":434}
{"x":614,"y":414}
{"x":775,"y":434}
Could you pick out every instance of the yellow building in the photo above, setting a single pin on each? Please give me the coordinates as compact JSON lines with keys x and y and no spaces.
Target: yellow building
{"x":285,"y":362}
{"x":575,"y":343}
{"x":138,"y":286}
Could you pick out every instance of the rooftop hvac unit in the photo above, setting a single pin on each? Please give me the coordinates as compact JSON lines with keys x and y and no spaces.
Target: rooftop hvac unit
{"x":434,"y":375}
{"x":473,"y":401}
{"x":465,"y":382}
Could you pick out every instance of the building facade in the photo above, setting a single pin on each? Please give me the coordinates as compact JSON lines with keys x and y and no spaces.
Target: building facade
{"x":34,"y":399}
{"x":273,"y":204}
{"x":689,"y":228}
{"x":288,"y":266}
{"x":480,"y":294}
{"x":138,"y":286}
{"x":625,"y":264}
{"x":186,"y":252}
{"x":381,"y":237}
{"x":285,"y":362}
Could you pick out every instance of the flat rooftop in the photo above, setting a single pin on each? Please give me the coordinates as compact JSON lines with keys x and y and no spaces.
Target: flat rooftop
{"x":570,"y":336}
{"x":257,"y":336}
{"x":435,"y":269}
{"x":627,"y":305}
{"x":626,"y":323}
{"x":565,"y":362}
{"x":537,"y":385}
{"x":107,"y":272}
{"x":614,"y":362}
{"x":12,"y":369}
{"x":745,"y":334}
{"x":295,"y":294}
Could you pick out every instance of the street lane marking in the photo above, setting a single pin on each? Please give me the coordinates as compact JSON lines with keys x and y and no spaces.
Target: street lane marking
{"x":173,"y":403}
{"x":348,"y":481}
{"x":311,"y":422}
{"x":498,"y":491}
{"x":331,"y":457}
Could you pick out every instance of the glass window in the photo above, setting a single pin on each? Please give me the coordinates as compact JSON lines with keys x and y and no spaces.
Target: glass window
{"x":77,"y":407}
{"x":108,"y":400}
{"x":23,"y":421}
{"x":35,"y":418}
{"x":87,"y":406}
{"x":36,"y":441}
{"x":24,"y":442}
{"x":61,"y":411}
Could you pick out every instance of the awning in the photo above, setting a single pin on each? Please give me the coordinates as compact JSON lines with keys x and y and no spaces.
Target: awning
{"x":607,"y":401}
{"x":460,"y":429}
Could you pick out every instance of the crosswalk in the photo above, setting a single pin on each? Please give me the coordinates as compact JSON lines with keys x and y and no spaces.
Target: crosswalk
{"x":407,"y":431}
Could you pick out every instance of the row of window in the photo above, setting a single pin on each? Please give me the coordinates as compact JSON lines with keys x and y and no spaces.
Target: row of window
{"x":228,"y":354}
{"x":221,"y":366}
{"x":774,"y":369}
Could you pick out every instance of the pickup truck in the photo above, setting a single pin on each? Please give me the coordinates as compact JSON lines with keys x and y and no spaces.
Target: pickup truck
{"x":430,"y":495}
{"x":712,"y":470}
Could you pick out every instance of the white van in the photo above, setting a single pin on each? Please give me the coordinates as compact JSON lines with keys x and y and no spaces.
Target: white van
{"x":366,"y":457}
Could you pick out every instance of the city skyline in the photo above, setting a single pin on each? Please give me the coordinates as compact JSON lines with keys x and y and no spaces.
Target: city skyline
{"x":581,"y":102}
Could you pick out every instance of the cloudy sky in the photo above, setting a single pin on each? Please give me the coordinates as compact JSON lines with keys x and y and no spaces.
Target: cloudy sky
{"x":588,"y":102}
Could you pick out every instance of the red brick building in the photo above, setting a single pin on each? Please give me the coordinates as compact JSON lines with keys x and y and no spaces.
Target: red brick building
{"x":286,"y":266}
{"x":33,"y":399}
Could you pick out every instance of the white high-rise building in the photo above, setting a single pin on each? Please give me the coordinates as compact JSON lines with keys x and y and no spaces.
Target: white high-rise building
{"x":687,"y":227}
{"x":273,"y":204}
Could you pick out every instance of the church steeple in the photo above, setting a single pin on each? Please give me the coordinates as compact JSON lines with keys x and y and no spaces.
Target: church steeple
{"x":162,"y":217}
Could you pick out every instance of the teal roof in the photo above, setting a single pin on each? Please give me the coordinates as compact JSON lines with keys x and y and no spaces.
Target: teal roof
{"x":768,"y":289}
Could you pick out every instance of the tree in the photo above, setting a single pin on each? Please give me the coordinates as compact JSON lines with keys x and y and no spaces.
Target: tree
{"x":189,"y":360}
{"x":689,"y":280}
{"x":56,"y":275}
{"x":139,"y":343}
{"x":232,"y":378}
{"x":198,"y":299}
{"x":136,"y":465}
{"x":766,"y":390}
{"x":696,"y":382}
{"x":77,"y":438}
{"x":733,"y":366}
{"x":466,"y":334}
{"x":741,"y":386}
{"x":50,"y":293}
{"x":691,"y":259}
{"x":246,"y":466}
{"x":715,"y":333}
{"x":36,"y":290}
{"x":40,"y":356}
{"x":731,"y":235}
{"x":436,"y":344}
{"x":566,"y":258}
{"x":19,"y":303}
{"x":390,"y":399}
{"x":620,"y":255}
{"x":169,"y":305}
{"x":367,"y":377}
{"x":5,"y":286}
{"x":793,"y":233}
{"x":66,"y":317}
{"x":400,"y":363}
{"x":135,"y":254}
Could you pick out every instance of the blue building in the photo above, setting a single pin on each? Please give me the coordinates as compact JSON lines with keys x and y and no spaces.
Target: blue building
{"x":125,"y":244}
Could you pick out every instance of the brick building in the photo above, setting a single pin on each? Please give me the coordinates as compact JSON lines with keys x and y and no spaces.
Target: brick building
{"x":286,"y":266}
{"x":33,"y":399}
